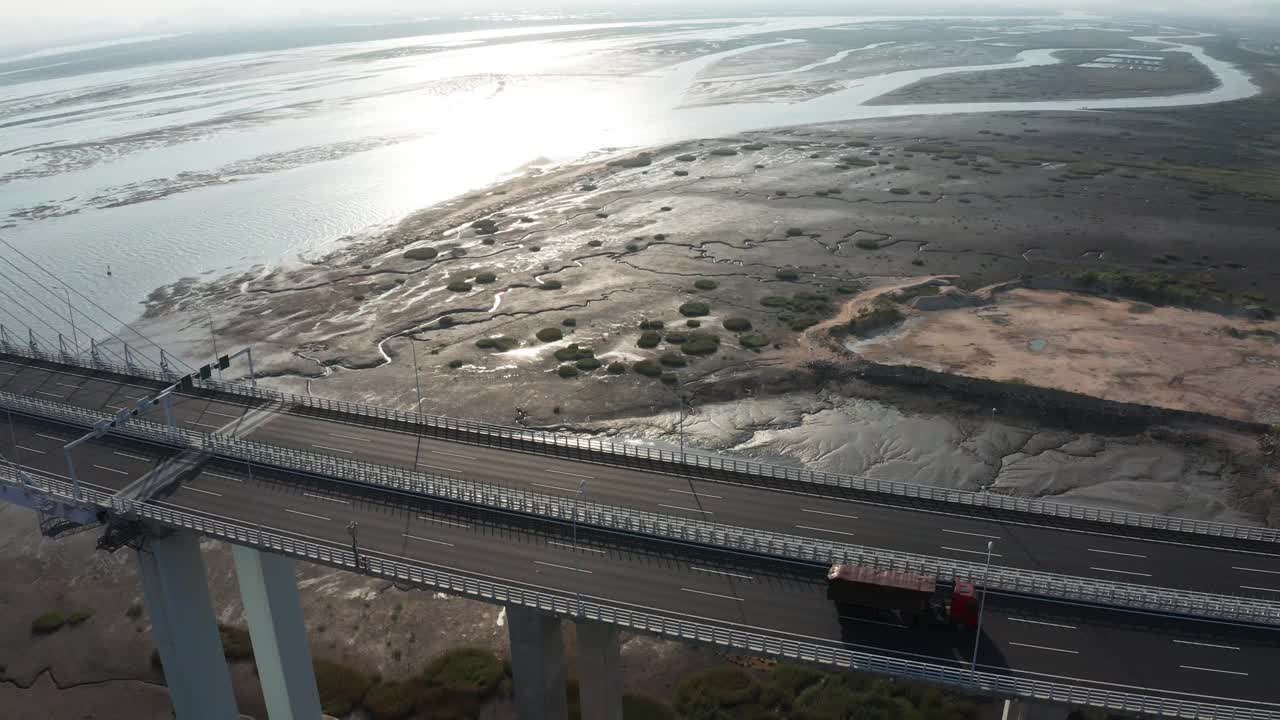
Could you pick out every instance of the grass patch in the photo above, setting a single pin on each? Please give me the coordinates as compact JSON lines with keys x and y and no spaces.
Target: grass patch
{"x":459,"y":286}
{"x":692,"y":323}
{"x":694,"y":309}
{"x":574,"y":352}
{"x":727,"y":692}
{"x":788,"y":274}
{"x":617,"y":368}
{"x":134,"y":611}
{"x":669,"y":378}
{"x":48,"y":623}
{"x":651,"y":324}
{"x":390,"y":700}
{"x":236,"y":645}
{"x":877,"y":317}
{"x":648,"y":368}
{"x":753,"y":341}
{"x":736,"y":324}
{"x":587,"y":364}
{"x":649,"y":339}
{"x":550,"y":285}
{"x":900,"y":191}
{"x":549,"y":334}
{"x":671,"y":359}
{"x":705,"y":284}
{"x":501,"y":343}
{"x":802,"y":310}
{"x":569,"y":322}
{"x":567,"y":371}
{"x":1155,"y":288}
{"x":676,"y":338}
{"x":455,"y":364}
{"x":486,"y":278}
{"x":421,"y":253}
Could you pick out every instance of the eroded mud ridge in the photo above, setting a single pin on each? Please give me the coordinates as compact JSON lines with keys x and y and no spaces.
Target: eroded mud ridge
{"x":722,"y":266}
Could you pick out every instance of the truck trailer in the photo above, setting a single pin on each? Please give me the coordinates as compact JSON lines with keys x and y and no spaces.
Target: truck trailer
{"x":910,"y":599}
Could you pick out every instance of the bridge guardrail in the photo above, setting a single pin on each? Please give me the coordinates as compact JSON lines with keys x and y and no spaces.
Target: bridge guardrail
{"x":667,"y":527}
{"x":572,"y":606}
{"x":605,"y":452}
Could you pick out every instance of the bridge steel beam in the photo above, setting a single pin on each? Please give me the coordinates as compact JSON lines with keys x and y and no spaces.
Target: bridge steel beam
{"x":185,"y":628}
{"x":269,"y":590}
{"x":537,"y":665}
{"x":599,"y":670}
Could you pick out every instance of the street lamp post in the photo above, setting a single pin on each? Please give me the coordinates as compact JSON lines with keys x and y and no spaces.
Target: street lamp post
{"x":982,"y":606}
{"x":213,"y":337}
{"x":582,"y":485}
{"x":417,"y":381}
{"x":71,"y":318}
{"x":353,"y":527}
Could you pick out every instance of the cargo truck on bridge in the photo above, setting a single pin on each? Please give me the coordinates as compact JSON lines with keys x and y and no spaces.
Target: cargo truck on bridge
{"x":909,"y":599}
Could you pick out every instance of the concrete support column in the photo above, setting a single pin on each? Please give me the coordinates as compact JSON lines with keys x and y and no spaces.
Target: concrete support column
{"x":1033,"y":710}
{"x":185,"y":628}
{"x":599,"y":671}
{"x":269,"y":590}
{"x":537,"y":665}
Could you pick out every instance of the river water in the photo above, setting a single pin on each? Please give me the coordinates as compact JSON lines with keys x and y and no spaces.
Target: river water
{"x":201,"y":167}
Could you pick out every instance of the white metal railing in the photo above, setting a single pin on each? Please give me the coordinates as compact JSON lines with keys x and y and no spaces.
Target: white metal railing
{"x":712,"y":466}
{"x":672,"y":528}
{"x":779,"y":645}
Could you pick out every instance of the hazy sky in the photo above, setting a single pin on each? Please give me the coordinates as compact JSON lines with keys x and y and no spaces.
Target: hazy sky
{"x":26,"y":21}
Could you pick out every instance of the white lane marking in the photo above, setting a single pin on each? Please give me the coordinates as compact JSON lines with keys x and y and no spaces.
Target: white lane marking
{"x":331,"y":449}
{"x":1122,"y":572}
{"x":224,"y":477}
{"x":972,"y":534}
{"x":1213,"y":670}
{"x":697,"y":494}
{"x":321,"y":497}
{"x":561,"y":472}
{"x":720,"y":572}
{"x":50,"y":437}
{"x":442,"y":522}
{"x":686,"y":509}
{"x":206,"y":492}
{"x":704,"y":592}
{"x":299,"y":512}
{"x":820,"y":512}
{"x":1262,"y":589}
{"x":552,"y":487}
{"x":133,"y":457}
{"x":24,"y":447}
{"x":876,"y":622}
{"x":200,"y":424}
{"x":818,"y":529}
{"x":60,"y":397}
{"x":1041,"y":622}
{"x":349,"y":437}
{"x":67,"y":385}
{"x":225,"y":415}
{"x":104,"y":467}
{"x":438,"y":467}
{"x":437,"y":542}
{"x":972,"y":552}
{"x":457,"y":455}
{"x":4,"y":372}
{"x":1247,"y":569}
{"x":563,"y":567}
{"x":1208,"y":645}
{"x":579,"y":547}
{"x":115,"y":407}
{"x":1044,"y":647}
{"x":1113,"y":552}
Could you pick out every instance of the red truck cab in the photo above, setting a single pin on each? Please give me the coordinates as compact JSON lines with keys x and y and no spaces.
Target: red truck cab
{"x":964,"y":605}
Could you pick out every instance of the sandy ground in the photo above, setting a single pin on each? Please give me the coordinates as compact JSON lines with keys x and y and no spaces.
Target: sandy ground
{"x":1118,"y":350}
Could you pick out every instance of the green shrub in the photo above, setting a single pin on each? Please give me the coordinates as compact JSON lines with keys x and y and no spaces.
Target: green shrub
{"x":390,"y":700}
{"x":569,"y":322}
{"x":701,"y":343}
{"x":794,"y":232}
{"x":753,"y":340}
{"x":638,"y":707}
{"x":671,"y":359}
{"x":459,"y":286}
{"x":736,"y":324}
{"x":880,"y":316}
{"x":787,"y":274}
{"x":455,"y":364}
{"x":900,"y":191}
{"x":421,"y":253}
{"x":236,"y":645}
{"x":648,"y":368}
{"x":567,"y":371}
{"x":668,"y":377}
{"x":715,"y":693}
{"x":48,"y":623}
{"x":550,"y":285}
{"x":651,"y":324}
{"x":550,"y":334}
{"x":692,"y":323}
{"x":341,"y":687}
{"x":486,"y":343}
{"x":675,"y":338}
{"x":587,"y":364}
{"x":487,"y":226}
{"x":78,"y":617}
{"x":705,"y":284}
{"x":686,"y":158}
{"x":134,"y":611}
{"x":573,"y":352}
{"x":649,"y":339}
{"x":617,"y":368}
{"x":595,"y":243}
{"x":469,"y":670}
{"x":774,"y":301}
{"x":485,"y":278}
{"x":726,"y":152}
{"x":694,"y":309}
{"x":500,"y":343}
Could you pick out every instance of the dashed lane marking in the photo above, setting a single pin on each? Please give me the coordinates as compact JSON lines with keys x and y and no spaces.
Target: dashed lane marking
{"x":1213,"y":670}
{"x":1045,"y":647}
{"x":563,"y":567}
{"x":437,"y":542}
{"x":721,"y":572}
{"x":299,"y":512}
{"x":818,"y":529}
{"x":704,"y":592}
{"x":577,"y":547}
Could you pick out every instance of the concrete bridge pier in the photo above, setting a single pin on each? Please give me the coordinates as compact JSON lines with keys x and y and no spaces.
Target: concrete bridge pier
{"x":185,"y":628}
{"x":599,"y":671}
{"x":1032,"y":710}
{"x":537,"y":665}
{"x":269,"y":590}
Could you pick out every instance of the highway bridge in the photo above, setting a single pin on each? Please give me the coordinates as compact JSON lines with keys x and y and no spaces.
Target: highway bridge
{"x":722,"y":551}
